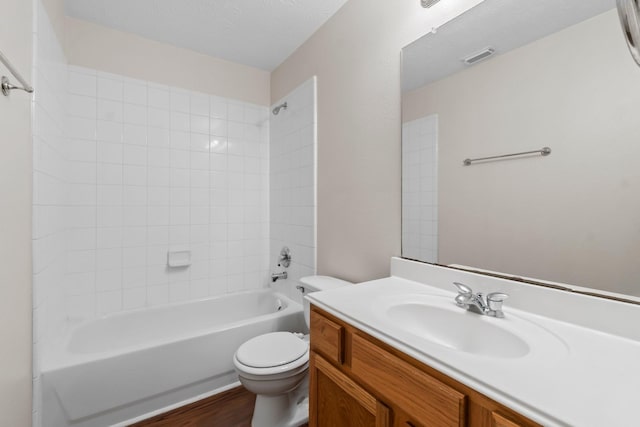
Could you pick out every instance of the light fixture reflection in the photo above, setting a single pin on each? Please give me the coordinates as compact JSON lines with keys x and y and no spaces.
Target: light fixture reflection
{"x":428,"y":3}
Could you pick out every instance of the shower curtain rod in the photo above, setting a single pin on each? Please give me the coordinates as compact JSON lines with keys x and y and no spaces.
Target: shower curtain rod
{"x":6,"y":85}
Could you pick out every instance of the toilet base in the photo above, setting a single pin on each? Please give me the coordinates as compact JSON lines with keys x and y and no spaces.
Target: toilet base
{"x":277,"y":411}
{"x":287,"y":410}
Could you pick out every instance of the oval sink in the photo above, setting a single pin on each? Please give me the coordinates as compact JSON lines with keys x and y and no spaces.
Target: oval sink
{"x":458,"y":329}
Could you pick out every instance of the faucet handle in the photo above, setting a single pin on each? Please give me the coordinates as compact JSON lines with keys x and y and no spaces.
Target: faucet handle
{"x":494,"y":303}
{"x":464,"y":294}
{"x":463,"y":289}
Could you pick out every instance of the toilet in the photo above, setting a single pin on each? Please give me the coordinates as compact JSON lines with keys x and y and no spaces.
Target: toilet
{"x":275,"y":367}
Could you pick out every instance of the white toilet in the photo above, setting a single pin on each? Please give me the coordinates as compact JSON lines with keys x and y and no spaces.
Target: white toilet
{"x":274,"y":366}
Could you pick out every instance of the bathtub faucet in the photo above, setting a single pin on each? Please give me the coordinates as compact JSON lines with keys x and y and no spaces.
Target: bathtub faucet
{"x":276,"y":276}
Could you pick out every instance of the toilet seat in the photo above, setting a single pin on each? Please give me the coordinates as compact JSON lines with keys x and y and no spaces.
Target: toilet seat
{"x":274,"y":354}
{"x":271,"y":350}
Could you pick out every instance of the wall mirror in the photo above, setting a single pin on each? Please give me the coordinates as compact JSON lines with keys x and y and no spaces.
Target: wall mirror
{"x":510,"y":77}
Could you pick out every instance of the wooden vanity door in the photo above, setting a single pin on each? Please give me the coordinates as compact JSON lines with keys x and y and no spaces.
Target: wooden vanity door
{"x":336,"y":400}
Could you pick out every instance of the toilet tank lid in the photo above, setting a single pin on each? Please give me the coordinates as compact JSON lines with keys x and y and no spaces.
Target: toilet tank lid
{"x":322,"y":283}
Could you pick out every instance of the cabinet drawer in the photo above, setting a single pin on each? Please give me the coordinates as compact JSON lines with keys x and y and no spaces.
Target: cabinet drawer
{"x":499,"y":420}
{"x":425,"y":399}
{"x":327,"y":338}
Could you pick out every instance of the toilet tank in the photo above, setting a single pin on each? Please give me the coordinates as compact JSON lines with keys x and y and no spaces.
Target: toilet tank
{"x":310,"y":284}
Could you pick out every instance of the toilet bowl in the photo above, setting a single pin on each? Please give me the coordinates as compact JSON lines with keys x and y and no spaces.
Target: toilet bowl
{"x":275,"y":367}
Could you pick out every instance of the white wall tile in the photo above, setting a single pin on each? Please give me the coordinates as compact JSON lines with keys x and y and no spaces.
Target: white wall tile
{"x":81,"y":239}
{"x":82,"y":128}
{"x":291,"y":175}
{"x":82,"y":106}
{"x":158,"y":295}
{"x":135,"y":134}
{"x":108,"y":280}
{"x":134,"y":175}
{"x":134,"y":216}
{"x":147,"y":168}
{"x":135,"y":93}
{"x":82,"y":84}
{"x":235,"y":111}
{"x":199,"y":124}
{"x":159,"y":118}
{"x":109,"y":89}
{"x":135,"y":257}
{"x":109,"y":195}
{"x":109,"y":216}
{"x":159,"y":176}
{"x":158,"y":196}
{"x":157,"y":275}
{"x":180,"y":140}
{"x":218,"y":127}
{"x":158,"y":97}
{"x":134,"y":236}
{"x":135,"y":114}
{"x":159,"y":157}
{"x":110,"y":110}
{"x":180,"y":101}
{"x":134,"y":298}
{"x":134,"y":155}
{"x":81,"y":150}
{"x":108,"y":302}
{"x":135,"y":278}
{"x":199,"y":104}
{"x":199,"y":160}
{"x":108,"y":237}
{"x":108,"y":131}
{"x":109,"y":174}
{"x":218,"y":107}
{"x":158,"y":137}
{"x":180,"y":121}
{"x":419,"y":190}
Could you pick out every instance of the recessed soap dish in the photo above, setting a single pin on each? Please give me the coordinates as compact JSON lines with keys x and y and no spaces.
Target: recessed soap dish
{"x":179,"y":258}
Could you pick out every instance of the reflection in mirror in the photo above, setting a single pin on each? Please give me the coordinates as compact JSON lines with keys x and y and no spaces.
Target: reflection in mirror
{"x":560,"y":76}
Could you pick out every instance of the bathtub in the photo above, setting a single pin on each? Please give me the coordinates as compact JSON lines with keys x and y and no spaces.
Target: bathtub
{"x":123,"y":367}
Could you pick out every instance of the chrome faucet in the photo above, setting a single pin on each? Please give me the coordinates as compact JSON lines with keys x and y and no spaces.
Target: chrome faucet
{"x":477,"y":303}
{"x":276,"y":276}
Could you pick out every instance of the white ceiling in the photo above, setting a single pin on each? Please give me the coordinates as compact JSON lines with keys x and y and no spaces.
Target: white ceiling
{"x":258,"y":33}
{"x":502,"y":24}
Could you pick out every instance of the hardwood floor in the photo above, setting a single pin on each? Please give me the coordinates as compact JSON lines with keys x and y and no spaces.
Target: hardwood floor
{"x":233,"y":408}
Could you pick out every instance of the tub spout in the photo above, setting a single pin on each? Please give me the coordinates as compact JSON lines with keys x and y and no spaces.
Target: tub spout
{"x":276,"y":276}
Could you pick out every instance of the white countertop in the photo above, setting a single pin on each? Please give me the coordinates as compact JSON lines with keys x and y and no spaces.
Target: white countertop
{"x":580,"y":377}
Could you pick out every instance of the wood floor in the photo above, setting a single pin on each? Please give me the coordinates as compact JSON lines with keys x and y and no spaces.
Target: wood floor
{"x":233,"y":408}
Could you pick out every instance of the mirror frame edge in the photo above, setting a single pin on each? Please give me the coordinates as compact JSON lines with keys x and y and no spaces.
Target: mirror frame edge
{"x":529,"y":281}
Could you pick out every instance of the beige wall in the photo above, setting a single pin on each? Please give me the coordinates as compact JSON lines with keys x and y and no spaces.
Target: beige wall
{"x":572,"y":217}
{"x":356,"y":56}
{"x":94,"y":46}
{"x":15,"y":217}
{"x":55,"y":10}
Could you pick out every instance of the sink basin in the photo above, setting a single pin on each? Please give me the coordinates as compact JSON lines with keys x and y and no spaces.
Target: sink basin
{"x":426,"y":320}
{"x":458,"y":329}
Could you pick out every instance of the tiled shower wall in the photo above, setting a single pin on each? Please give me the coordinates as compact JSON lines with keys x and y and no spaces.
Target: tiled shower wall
{"x":420,"y":189}
{"x":292,"y":177}
{"x":49,"y":188}
{"x":155,"y":168}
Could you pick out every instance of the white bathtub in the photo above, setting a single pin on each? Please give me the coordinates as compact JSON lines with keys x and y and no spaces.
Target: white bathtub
{"x":118,"y":368}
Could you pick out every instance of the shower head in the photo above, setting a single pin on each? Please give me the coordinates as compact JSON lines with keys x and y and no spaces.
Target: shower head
{"x":279,"y":107}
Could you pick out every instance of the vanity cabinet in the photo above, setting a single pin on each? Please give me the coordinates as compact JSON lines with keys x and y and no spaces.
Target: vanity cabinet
{"x":357,"y":380}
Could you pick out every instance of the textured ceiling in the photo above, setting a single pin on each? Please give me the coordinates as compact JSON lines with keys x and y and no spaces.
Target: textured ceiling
{"x":259,"y":33}
{"x":502,"y":24}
